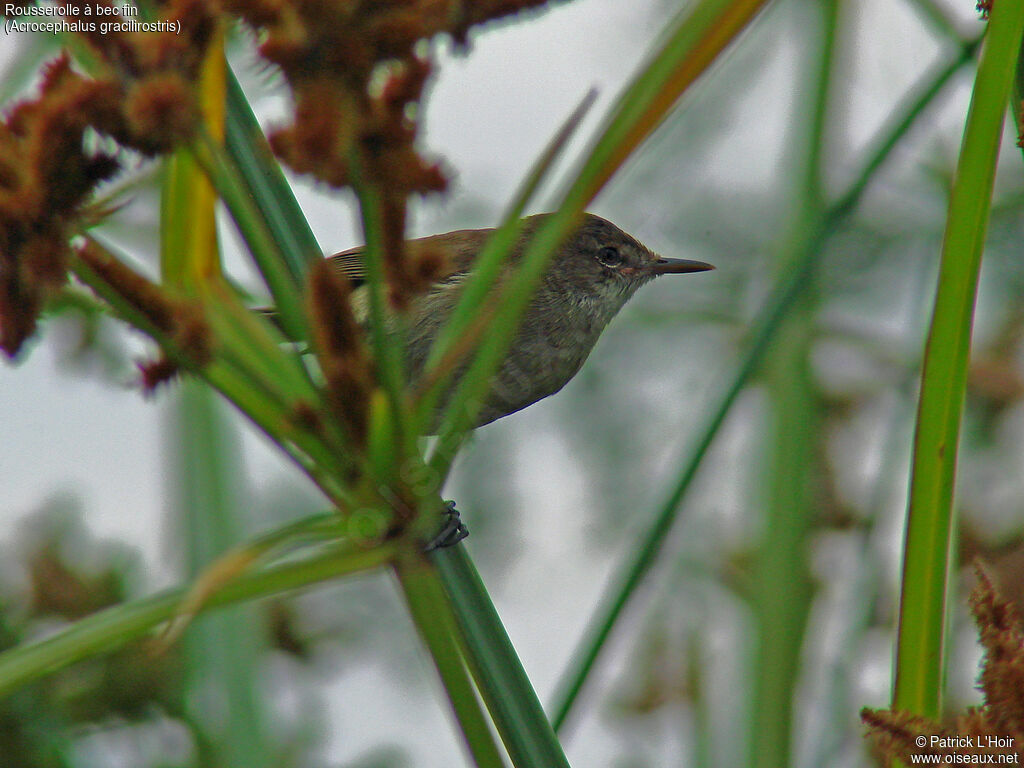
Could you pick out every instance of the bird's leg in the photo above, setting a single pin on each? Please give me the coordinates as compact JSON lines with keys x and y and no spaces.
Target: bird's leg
{"x":453,"y":530}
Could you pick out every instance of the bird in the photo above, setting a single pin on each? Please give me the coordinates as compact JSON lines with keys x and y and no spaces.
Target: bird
{"x":591,"y":276}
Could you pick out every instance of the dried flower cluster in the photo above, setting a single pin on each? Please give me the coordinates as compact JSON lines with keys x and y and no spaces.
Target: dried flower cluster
{"x":143,"y":101}
{"x":178,"y":321}
{"x":330,"y":53}
{"x":356,"y":75}
{"x":70,"y":574}
{"x":340,"y":349}
{"x":996,"y":728}
{"x":356,"y":78}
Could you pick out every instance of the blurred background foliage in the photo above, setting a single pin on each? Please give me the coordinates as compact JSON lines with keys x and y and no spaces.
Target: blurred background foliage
{"x":555,"y":496}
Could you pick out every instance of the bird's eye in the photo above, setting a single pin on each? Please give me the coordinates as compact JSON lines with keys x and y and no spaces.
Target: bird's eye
{"x":610,"y":256}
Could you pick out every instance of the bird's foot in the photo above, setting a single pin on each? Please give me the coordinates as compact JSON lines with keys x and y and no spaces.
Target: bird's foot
{"x":453,"y":530}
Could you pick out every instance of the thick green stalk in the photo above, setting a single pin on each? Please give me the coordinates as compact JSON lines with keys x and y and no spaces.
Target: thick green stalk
{"x":499,"y":674}
{"x":781,"y":588}
{"x":920,"y":657}
{"x":432,"y":613}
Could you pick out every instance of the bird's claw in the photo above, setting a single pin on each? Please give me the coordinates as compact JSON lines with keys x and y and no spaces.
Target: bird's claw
{"x":453,"y":530}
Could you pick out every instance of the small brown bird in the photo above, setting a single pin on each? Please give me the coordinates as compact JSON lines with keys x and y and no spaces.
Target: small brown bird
{"x":593,"y":274}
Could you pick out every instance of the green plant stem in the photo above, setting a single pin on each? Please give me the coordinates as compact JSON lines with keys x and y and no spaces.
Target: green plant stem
{"x":267,"y":185}
{"x":433,"y":617}
{"x":254,"y":348}
{"x":386,"y":333}
{"x":782,"y":299}
{"x":205,"y":509}
{"x":257,"y":347}
{"x":938,"y":17}
{"x":255,"y":230}
{"x":781,"y":587}
{"x":220,"y":650}
{"x":920,"y":657}
{"x":1017,"y":98}
{"x":499,"y":674}
{"x":112,"y":628}
{"x":190,"y":261}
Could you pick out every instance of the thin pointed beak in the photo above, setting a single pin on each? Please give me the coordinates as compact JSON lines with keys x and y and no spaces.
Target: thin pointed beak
{"x":677,"y":267}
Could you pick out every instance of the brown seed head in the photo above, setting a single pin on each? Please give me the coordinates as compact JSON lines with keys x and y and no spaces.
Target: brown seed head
{"x":340,"y":349}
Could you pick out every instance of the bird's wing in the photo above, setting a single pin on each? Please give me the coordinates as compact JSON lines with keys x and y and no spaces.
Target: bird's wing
{"x":458,"y":250}
{"x":350,"y":264}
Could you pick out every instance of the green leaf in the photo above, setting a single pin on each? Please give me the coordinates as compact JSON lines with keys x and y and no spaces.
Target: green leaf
{"x":115,"y":627}
{"x":266,"y":184}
